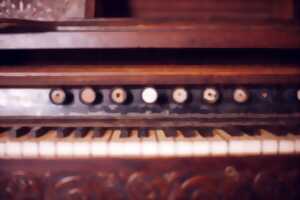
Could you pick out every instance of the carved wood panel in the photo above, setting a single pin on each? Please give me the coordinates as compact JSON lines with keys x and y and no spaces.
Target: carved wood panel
{"x":137,"y":180}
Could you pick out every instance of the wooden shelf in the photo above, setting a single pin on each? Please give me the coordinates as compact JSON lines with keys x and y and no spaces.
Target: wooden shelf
{"x":130,"y":33}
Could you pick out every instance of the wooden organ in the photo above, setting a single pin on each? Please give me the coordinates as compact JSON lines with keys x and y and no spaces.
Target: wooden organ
{"x":116,"y":99}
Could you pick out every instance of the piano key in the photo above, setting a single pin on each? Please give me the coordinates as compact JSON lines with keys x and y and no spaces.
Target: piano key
{"x":64,"y":145}
{"x":205,"y":132}
{"x":219,"y":146}
{"x":188,"y":132}
{"x":125,"y":132}
{"x":99,"y":144}
{"x":150,"y":144}
{"x":166,"y":145}
{"x":285,"y":143}
{"x":13,"y":146}
{"x":116,"y":145}
{"x":132,"y":145}
{"x":81,"y":132}
{"x":240,"y":144}
{"x":4,"y":136}
{"x":183,"y":145}
{"x":143,"y":132}
{"x":269,"y":143}
{"x":170,"y":132}
{"x":82,"y":145}
{"x":98,"y":132}
{"x":30,"y":148}
{"x":47,"y":144}
{"x":201,"y":146}
{"x":295,"y":136}
{"x":64,"y":132}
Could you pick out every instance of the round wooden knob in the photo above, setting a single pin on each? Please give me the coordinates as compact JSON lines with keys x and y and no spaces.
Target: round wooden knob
{"x":211,"y":95}
{"x":119,"y":95}
{"x":149,"y":95}
{"x":58,"y":96}
{"x":298,"y":95}
{"x":240,"y":95}
{"x":88,"y":96}
{"x":180,"y":95}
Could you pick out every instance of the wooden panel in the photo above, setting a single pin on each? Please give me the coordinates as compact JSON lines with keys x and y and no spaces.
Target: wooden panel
{"x":227,"y":178}
{"x":259,"y":9}
{"x":150,"y":34}
{"x":150,"y":74}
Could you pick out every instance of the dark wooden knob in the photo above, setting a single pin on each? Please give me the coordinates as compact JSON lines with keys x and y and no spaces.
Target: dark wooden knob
{"x":211,"y":95}
{"x":88,"y":96}
{"x":180,"y":95}
{"x":240,"y":95}
{"x":58,"y":96}
{"x":119,"y":95}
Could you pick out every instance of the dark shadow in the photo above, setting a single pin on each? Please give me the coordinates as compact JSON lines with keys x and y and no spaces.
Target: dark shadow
{"x":113,"y":8}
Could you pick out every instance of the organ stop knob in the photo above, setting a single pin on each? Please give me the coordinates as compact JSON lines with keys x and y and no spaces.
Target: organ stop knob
{"x":150,"y":95}
{"x":119,"y":95}
{"x":88,"y":96}
{"x":180,"y":95}
{"x":240,"y":95}
{"x":211,"y":95}
{"x":58,"y":96}
{"x":298,"y":95}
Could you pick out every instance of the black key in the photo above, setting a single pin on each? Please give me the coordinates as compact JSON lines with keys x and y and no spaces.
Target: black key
{"x":40,"y":131}
{"x":170,"y":132}
{"x":125,"y":132}
{"x":188,"y":132}
{"x":205,"y":132}
{"x":3,"y":129}
{"x":143,"y":132}
{"x":98,"y":132}
{"x":81,"y":132}
{"x":233,"y":131}
{"x":19,"y":132}
{"x":64,"y":132}
{"x":251,"y":131}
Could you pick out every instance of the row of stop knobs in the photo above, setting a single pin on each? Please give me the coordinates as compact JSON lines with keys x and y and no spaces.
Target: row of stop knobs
{"x":149,"y":95}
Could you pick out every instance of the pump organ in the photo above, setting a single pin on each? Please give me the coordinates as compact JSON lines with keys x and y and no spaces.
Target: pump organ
{"x":201,"y":105}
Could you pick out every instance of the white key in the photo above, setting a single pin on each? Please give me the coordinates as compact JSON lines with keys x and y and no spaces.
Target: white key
{"x":30,"y":148}
{"x":183,"y":145}
{"x":132,"y":144}
{"x":201,"y":146}
{"x":47,"y":144}
{"x":269,"y":143}
{"x":166,"y":145}
{"x":150,"y":144}
{"x":296,"y":139}
{"x":3,"y":140}
{"x":241,"y":145}
{"x":116,"y":145}
{"x":64,"y":146}
{"x":14,"y":146}
{"x":219,"y":146}
{"x":99,"y":146}
{"x":82,"y":146}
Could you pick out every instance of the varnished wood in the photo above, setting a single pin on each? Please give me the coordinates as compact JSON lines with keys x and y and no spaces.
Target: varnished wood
{"x":157,"y":34}
{"x":150,"y":74}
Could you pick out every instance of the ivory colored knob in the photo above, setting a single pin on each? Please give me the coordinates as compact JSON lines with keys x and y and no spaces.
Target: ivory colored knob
{"x":149,"y":95}
{"x":119,"y":95}
{"x":88,"y":95}
{"x":298,"y":95}
{"x":211,"y":95}
{"x":58,"y":96}
{"x":240,"y":95}
{"x":180,"y":95}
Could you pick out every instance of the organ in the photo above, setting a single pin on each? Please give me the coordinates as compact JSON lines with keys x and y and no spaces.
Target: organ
{"x":149,"y":99}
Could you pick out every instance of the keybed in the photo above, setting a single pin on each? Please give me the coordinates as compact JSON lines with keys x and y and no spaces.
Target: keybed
{"x":87,"y":142}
